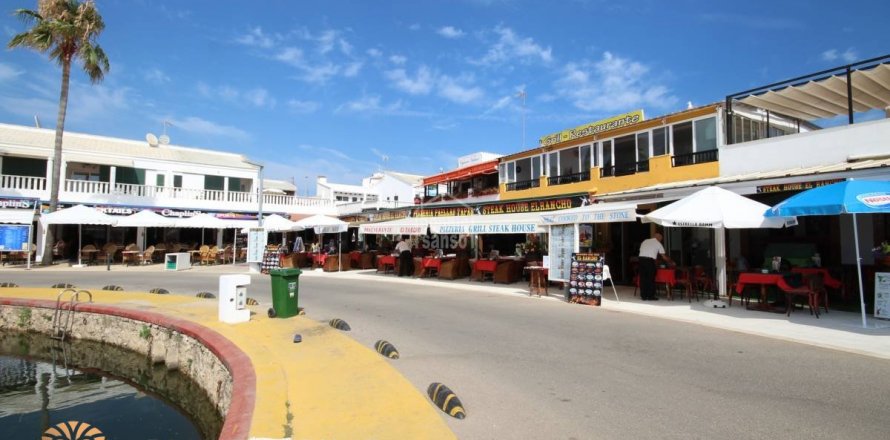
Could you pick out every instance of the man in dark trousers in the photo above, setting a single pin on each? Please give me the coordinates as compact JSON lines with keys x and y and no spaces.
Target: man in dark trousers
{"x":406,"y":260}
{"x":650,"y":250}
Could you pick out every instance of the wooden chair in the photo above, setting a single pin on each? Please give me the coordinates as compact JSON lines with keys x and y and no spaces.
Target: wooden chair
{"x":146,"y":256}
{"x":59,"y":250}
{"x":87,"y":253}
{"x":808,"y":291}
{"x":204,"y":255}
{"x":226,"y":255}
{"x":127,"y":257}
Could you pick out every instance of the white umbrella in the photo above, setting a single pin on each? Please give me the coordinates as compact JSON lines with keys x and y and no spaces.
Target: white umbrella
{"x":146,"y":219}
{"x":277,"y":223}
{"x":717,"y":208}
{"x":76,"y":215}
{"x":322,"y":224}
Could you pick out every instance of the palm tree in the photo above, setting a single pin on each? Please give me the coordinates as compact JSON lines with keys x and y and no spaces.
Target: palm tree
{"x":66,"y":30}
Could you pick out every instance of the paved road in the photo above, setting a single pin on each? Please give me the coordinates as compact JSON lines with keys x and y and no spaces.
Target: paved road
{"x":530,"y":368}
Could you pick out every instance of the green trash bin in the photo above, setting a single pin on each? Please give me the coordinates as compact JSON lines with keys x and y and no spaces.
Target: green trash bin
{"x":285,"y":291}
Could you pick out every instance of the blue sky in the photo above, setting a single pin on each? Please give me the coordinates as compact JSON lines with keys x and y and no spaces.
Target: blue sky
{"x":331,"y":87}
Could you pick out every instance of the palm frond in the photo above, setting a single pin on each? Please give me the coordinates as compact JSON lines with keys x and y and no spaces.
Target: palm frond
{"x":28,"y":16}
{"x":95,"y":62}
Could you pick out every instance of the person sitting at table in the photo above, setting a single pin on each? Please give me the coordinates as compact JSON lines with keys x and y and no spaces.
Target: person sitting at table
{"x":650,"y":250}
{"x":406,"y":259}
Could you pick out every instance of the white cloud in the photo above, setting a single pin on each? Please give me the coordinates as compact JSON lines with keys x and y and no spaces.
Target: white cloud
{"x":303,"y":107}
{"x":450,"y":32}
{"x":196,"y":125}
{"x":8,"y":72}
{"x":9,"y":31}
{"x":398,"y":60}
{"x":611,"y":84}
{"x":326,"y":41}
{"x":352,"y":69}
{"x":511,"y":46}
{"x":291,"y":55}
{"x":847,"y":56}
{"x":365,"y":104}
{"x":374,"y":53}
{"x":414,"y":27}
{"x":257,"y":97}
{"x":420,"y":84}
{"x":156,"y":76}
{"x":452,"y":90}
{"x":256,"y":37}
{"x":319,"y":73}
{"x":500,"y":104}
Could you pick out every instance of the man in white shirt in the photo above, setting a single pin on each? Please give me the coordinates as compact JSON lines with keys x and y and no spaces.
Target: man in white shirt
{"x":406,"y":260}
{"x":650,"y":249}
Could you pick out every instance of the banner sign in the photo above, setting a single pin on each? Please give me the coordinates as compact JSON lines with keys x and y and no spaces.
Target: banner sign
{"x":586,"y":278}
{"x":393,"y":229}
{"x":597,"y":214}
{"x":6,"y":203}
{"x":256,"y":244}
{"x":485,"y":228}
{"x":882,"y":295}
{"x":796,"y":186}
{"x":593,"y":128}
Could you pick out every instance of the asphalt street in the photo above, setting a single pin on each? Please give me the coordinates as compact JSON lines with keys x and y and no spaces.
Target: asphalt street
{"x":536,"y":368}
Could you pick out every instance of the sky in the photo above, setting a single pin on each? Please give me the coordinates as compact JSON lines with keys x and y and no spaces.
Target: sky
{"x":347,"y":88}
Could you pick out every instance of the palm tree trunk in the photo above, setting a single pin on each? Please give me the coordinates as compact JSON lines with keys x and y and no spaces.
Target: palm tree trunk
{"x":57,"y":160}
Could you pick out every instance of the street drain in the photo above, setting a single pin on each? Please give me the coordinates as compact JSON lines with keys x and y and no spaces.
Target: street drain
{"x":112,"y":287}
{"x":159,"y":291}
{"x":62,"y":286}
{"x":386,"y":349}
{"x":340,"y":324}
{"x":446,"y":400}
{"x":205,"y":295}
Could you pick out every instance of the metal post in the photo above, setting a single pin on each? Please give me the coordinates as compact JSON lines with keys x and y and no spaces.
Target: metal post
{"x":849,"y":95}
{"x":767,"y":124}
{"x":727,"y":122}
{"x":859,"y":270}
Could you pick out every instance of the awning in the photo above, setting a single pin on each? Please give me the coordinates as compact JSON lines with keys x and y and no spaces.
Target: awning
{"x":17,"y":216}
{"x":596,"y":213}
{"x":489,"y":167}
{"x":524,"y":223}
{"x":403,"y":226}
{"x":825,"y":96}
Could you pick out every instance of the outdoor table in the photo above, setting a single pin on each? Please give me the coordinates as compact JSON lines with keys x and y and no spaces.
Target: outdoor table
{"x":385,"y":261}
{"x":538,"y":280}
{"x":131,"y":255}
{"x":485,"y":266}
{"x":429,"y":264}
{"x":355,"y":259}
{"x":195,"y":255}
{"x":91,"y":255}
{"x":764,"y":280}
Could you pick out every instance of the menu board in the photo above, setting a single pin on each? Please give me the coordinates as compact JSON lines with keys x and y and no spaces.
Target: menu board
{"x":586,"y":278}
{"x":256,"y":244}
{"x":13,"y":238}
{"x":882,"y":295}
{"x":562,"y":244}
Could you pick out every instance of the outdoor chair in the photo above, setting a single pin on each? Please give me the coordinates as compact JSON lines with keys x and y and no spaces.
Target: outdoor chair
{"x":87,"y":253}
{"x":808,"y":291}
{"x":128,"y":257}
{"x":226,"y":255}
{"x":204,"y":254}
{"x":145,"y":257}
{"x":702,"y":281}
{"x":684,"y":280}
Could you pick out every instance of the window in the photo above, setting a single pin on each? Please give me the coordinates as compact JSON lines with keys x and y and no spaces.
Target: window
{"x":395,"y":198}
{"x":536,"y":167}
{"x":660,"y":141}
{"x":214,"y":182}
{"x":24,"y":166}
{"x":625,"y":153}
{"x":682,"y":135}
{"x":607,"y":154}
{"x":159,"y":180}
{"x":642,"y":146}
{"x":177,"y":181}
{"x":594,"y":155}
{"x":553,"y":160}
{"x":586,"y":165}
{"x":523,"y":169}
{"x":134,"y":176}
{"x":433,"y":190}
{"x":511,"y":172}
{"x":568,"y":161}
{"x":706,"y":134}
{"x":502,"y":174}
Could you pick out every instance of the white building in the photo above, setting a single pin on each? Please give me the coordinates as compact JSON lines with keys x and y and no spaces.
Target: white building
{"x":383,"y":189}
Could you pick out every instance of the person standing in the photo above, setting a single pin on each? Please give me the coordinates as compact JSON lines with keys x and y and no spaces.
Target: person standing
{"x":406,"y":259}
{"x":650,"y":250}
{"x":298,"y":245}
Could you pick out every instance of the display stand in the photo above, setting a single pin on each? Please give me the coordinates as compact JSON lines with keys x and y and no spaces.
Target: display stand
{"x":177,"y":261}
{"x":586,"y":279}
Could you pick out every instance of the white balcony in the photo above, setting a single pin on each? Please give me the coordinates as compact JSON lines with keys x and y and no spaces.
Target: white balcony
{"x":357,"y":207}
{"x":91,"y":192}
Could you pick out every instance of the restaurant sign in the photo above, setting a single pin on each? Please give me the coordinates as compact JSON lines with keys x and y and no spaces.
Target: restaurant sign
{"x":17,"y":203}
{"x":485,"y":228}
{"x":593,"y":128}
{"x":796,"y":186}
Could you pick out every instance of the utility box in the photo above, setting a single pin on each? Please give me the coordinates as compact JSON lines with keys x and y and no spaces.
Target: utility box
{"x":233,"y":298}
{"x":177,"y":261}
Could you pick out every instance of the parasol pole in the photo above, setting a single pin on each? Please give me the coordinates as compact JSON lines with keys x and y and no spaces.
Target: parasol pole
{"x":720,"y":244}
{"x":859,"y":270}
{"x":79,"y":246}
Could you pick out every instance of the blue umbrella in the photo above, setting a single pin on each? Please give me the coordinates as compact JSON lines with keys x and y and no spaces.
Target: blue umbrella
{"x":848,"y":197}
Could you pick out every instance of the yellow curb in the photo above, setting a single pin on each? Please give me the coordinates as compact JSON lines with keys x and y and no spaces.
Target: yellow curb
{"x":333,"y":386}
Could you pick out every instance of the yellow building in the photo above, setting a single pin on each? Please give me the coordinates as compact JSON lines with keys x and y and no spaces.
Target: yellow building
{"x":617,"y":154}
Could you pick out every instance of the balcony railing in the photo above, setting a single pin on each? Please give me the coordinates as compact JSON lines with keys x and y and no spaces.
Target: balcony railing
{"x":694,"y":158}
{"x":523,"y":184}
{"x":625,"y":169}
{"x":568,"y":178}
{"x":23,"y":183}
{"x":87,"y":186}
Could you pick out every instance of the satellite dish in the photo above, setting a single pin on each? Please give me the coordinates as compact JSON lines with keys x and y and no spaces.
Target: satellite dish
{"x":152,"y":139}
{"x":165,"y":140}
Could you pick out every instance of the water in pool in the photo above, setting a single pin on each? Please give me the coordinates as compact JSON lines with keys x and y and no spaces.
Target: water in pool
{"x":45,"y":382}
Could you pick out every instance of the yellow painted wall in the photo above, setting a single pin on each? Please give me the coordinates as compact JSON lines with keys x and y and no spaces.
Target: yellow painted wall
{"x":660,"y":171}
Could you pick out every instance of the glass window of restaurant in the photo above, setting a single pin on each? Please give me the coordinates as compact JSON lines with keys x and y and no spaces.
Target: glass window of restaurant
{"x":660,"y":141}
{"x":553,"y":160}
{"x":706,"y":134}
{"x":511,"y":172}
{"x":642,"y":146}
{"x":586,"y":164}
{"x":502,"y":173}
{"x":625,"y":151}
{"x":523,"y":170}
{"x":606,"y":151}
{"x":682,"y":135}
{"x":536,"y":167}
{"x":568,"y":161}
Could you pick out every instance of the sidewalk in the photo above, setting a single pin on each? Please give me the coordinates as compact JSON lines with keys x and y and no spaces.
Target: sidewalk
{"x":835,"y":330}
